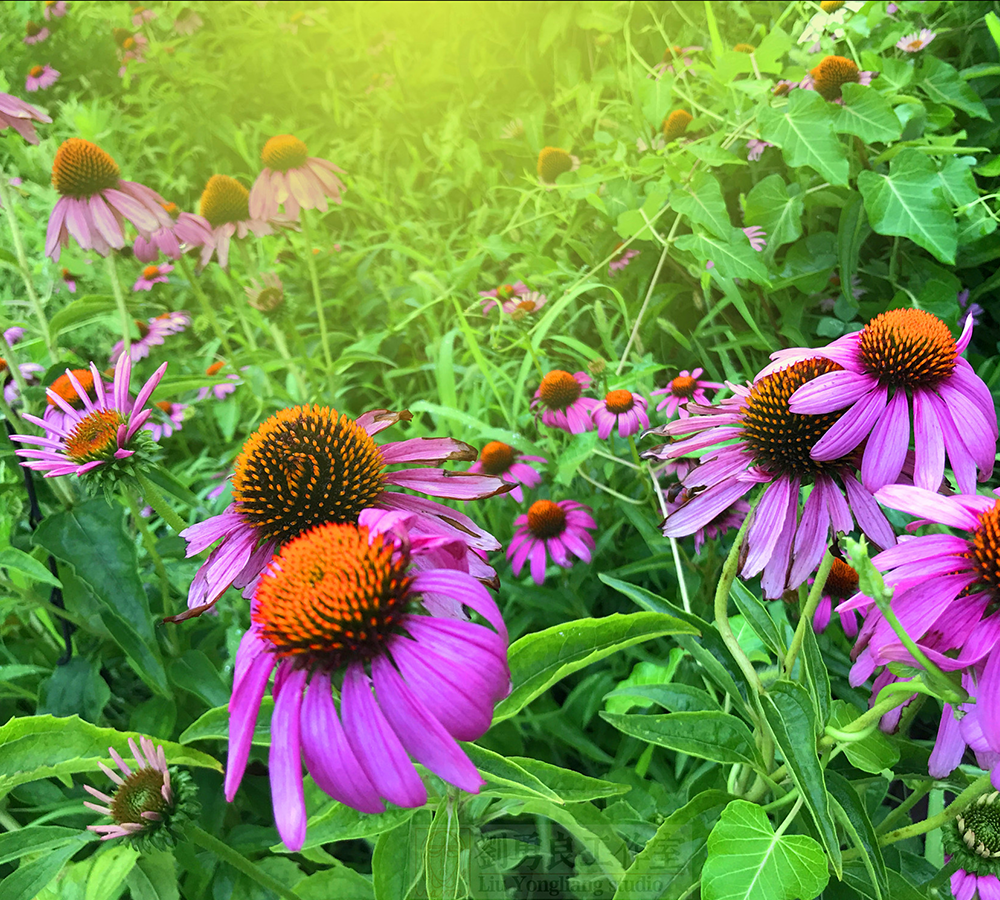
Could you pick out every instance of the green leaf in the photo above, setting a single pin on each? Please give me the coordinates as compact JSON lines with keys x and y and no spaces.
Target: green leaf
{"x":539,"y":660}
{"x":194,"y":672}
{"x":505,"y":778}
{"x":748,"y":861}
{"x":874,"y":753}
{"x":773,"y":47}
{"x":35,"y":839}
{"x":111,"y":867}
{"x":441,"y":853}
{"x":717,"y":736}
{"x":734,"y":258}
{"x":18,"y":561}
{"x":35,"y":747}
{"x":779,"y":213}
{"x":816,"y":675}
{"x":993,"y":23}
{"x":852,"y":230}
{"x":398,"y":859}
{"x":592,"y":829}
{"x":673,"y":697}
{"x":671,"y":862}
{"x":338,"y":881}
{"x":942,"y":83}
{"x":76,"y":687}
{"x":757,"y":617}
{"x":155,"y":877}
{"x":789,"y":711}
{"x":28,"y":880}
{"x":909,"y":202}
{"x":804,"y":132}
{"x":569,"y":786}
{"x":703,"y":204}
{"x":88,"y":307}
{"x":867,"y":114}
{"x":214,"y":725}
{"x":853,"y":816}
{"x":112,"y":575}
{"x":341,"y":823}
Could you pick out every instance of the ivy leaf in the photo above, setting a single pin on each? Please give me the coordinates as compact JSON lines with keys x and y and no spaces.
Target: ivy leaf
{"x":734,"y":258}
{"x":942,"y":83}
{"x":804,"y":132}
{"x":703,"y":204}
{"x":748,"y":861}
{"x":909,"y":202}
{"x":867,"y":114}
{"x":770,"y":205}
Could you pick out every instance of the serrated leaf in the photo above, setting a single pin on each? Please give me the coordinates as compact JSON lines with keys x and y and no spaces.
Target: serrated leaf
{"x":779,"y":213}
{"x":35,"y":747}
{"x":734,"y":257}
{"x":942,"y":83}
{"x":748,"y":861}
{"x":539,"y":660}
{"x":867,"y":114}
{"x":717,"y":736}
{"x":909,"y":202}
{"x":804,"y":132}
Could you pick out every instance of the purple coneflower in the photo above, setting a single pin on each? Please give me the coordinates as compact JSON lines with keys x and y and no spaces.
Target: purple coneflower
{"x":141,"y":15}
{"x":293,"y":179}
{"x":621,"y":257}
{"x":557,"y":530}
{"x":152,"y":333}
{"x":185,"y":228}
{"x":687,"y":386}
{"x":152,"y":275}
{"x":503,"y":461}
{"x":621,"y":408}
{"x":755,"y":234}
{"x":916,"y":41}
{"x":29,"y":371}
{"x":187,"y":22}
{"x":553,"y":162}
{"x":902,"y":358}
{"x":35,"y":33}
{"x":173,"y":419}
{"x":142,"y":799}
{"x":19,"y":115}
{"x":841,"y":584}
{"x":54,"y":9}
{"x":384,"y":606}
{"x":101,"y":433}
{"x":730,"y":519}
{"x":221,"y":390}
{"x":560,"y":398}
{"x":756,"y":148}
{"x":225,"y":204}
{"x":309,"y":465}
{"x":68,"y":280}
{"x":753,"y":438}
{"x":830,"y":76}
{"x":503,"y":294}
{"x":95,"y":202}
{"x":40,"y":77}
{"x":266,"y":295}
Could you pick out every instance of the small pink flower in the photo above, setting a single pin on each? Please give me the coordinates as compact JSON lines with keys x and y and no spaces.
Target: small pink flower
{"x":556,"y":530}
{"x":152,"y":275}
{"x":141,"y":15}
{"x":68,"y":280}
{"x":621,"y":408}
{"x":685,"y":387}
{"x":187,"y":22}
{"x":152,"y":333}
{"x":505,"y":293}
{"x":40,"y":77}
{"x":172,"y":420}
{"x":841,"y":584}
{"x":35,"y":33}
{"x":916,"y":41}
{"x":19,"y":115}
{"x":756,"y":148}
{"x":756,"y":235}
{"x":218,"y":390}
{"x":498,"y":458}
{"x":560,"y":398}
{"x":293,"y":179}
{"x":55,"y":9}
{"x":621,"y":258}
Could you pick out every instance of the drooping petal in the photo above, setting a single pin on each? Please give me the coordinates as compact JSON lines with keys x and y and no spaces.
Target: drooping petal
{"x":244,"y":705}
{"x":287,"y":792}
{"x":887,"y":444}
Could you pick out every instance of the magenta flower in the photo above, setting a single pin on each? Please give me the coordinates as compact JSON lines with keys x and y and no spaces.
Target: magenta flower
{"x":621,"y":408}
{"x":95,"y":202}
{"x":141,"y":15}
{"x":687,"y":386}
{"x":221,"y":390}
{"x":916,"y":41}
{"x":102,"y":433}
{"x":225,"y":204}
{"x":621,"y":258}
{"x":152,"y":275}
{"x":560,"y":398}
{"x":756,"y":148}
{"x":556,"y":530}
{"x":173,"y":419}
{"x":186,"y":229}
{"x":753,"y":438}
{"x":68,"y":280}
{"x":272,"y":503}
{"x":505,"y":293}
{"x":294,"y":179}
{"x":152,"y":333}
{"x":755,"y":234}
{"x":384,"y":605}
{"x":841,"y":584}
{"x":944,"y":586}
{"x":55,"y":9}
{"x":35,"y":33}
{"x":19,"y":115}
{"x":902,"y":358}
{"x":40,"y":77}
{"x":503,"y":461}
{"x":142,"y":798}
{"x":29,"y":371}
{"x":187,"y":22}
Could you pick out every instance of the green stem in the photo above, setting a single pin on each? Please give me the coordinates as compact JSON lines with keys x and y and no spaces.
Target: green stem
{"x":806,"y":616}
{"x":916,"y":795}
{"x":870,"y":717}
{"x":149,"y":542}
{"x":238,"y":861}
{"x":208,"y":310}
{"x":722,"y":605}
{"x":645,"y":303}
{"x":151,"y":494}
{"x":116,"y":289}
{"x":22,"y":264}
{"x":980,"y":786}
{"x":279,"y":342}
{"x":317,"y":297}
